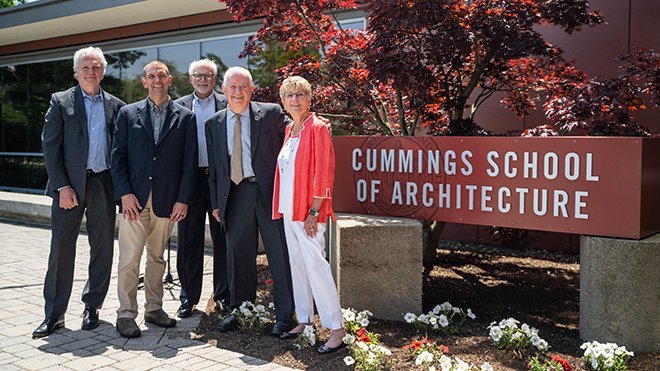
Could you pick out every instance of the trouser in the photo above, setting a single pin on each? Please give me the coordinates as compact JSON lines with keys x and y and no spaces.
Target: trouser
{"x":100,"y":210}
{"x":190,"y":247}
{"x":133,"y":235}
{"x":249,"y":213}
{"x":311,"y":275}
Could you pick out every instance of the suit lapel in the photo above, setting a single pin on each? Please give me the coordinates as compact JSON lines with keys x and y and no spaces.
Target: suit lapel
{"x":255,"y":125}
{"x":144,"y":120}
{"x":109,"y":118}
{"x":220,"y":102}
{"x":79,"y":109}
{"x":171,"y":119}
{"x":189,"y":101}
{"x":221,"y":134}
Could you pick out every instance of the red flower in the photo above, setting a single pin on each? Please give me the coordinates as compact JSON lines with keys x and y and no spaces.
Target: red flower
{"x":269,"y":281}
{"x":362,"y":335}
{"x":443,"y":348}
{"x":564,"y":363}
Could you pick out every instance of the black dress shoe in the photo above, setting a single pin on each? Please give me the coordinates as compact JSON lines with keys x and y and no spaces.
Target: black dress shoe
{"x":229,"y":323}
{"x":185,"y":310}
{"x":279,"y":328}
{"x":327,"y":350}
{"x":222,"y":307}
{"x":47,"y":327}
{"x":90,"y":319}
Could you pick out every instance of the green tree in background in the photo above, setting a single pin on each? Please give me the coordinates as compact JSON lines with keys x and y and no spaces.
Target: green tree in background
{"x":10,"y":3}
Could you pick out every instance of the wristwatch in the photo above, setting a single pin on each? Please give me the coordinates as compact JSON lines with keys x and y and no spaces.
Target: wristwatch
{"x":313,"y":212}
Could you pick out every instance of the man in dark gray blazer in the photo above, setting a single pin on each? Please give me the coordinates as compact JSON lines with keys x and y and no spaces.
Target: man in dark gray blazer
{"x":76,"y":141}
{"x":204,"y":101}
{"x":154,"y":163}
{"x":243,"y":143}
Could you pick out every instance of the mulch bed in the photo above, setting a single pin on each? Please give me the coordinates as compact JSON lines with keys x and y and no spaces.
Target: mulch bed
{"x":536,"y":287}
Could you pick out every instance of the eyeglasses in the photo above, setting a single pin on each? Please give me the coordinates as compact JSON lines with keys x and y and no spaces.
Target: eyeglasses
{"x":206,"y":76}
{"x":290,"y":96}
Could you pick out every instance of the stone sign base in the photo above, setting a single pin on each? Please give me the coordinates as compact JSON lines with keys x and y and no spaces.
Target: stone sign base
{"x":620,"y":292}
{"x":377,"y":264}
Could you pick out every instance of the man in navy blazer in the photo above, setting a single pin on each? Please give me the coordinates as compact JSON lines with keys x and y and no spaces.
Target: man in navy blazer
{"x":77,"y":138}
{"x":204,"y":101}
{"x":154,"y":163}
{"x":243,"y":143}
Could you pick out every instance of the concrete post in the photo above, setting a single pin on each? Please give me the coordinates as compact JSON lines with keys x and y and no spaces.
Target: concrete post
{"x":620,"y":291}
{"x":377,"y":264}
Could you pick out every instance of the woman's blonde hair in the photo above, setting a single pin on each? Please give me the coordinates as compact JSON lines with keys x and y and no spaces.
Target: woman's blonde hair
{"x":295,"y":83}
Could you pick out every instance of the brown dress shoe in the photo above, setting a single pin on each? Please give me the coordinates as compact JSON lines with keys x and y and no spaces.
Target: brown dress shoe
{"x":128,"y":328}
{"x":160,"y":318}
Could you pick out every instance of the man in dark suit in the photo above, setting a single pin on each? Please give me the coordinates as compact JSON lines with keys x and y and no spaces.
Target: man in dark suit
{"x":204,"y":101}
{"x":243,"y":143}
{"x":154,"y":164}
{"x":76,"y":139}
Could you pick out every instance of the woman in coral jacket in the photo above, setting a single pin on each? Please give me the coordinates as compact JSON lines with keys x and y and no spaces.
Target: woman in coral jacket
{"x":303,"y":197}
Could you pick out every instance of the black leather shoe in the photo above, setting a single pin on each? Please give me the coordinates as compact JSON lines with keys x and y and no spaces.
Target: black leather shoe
{"x":327,"y":350}
{"x":279,"y":328}
{"x":185,"y":310}
{"x":90,"y":319}
{"x":229,"y":323}
{"x":47,"y":327}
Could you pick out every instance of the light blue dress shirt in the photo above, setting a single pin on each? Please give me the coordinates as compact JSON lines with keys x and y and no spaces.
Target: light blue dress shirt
{"x":246,"y":154}
{"x":98,"y":157}
{"x":203,"y":109}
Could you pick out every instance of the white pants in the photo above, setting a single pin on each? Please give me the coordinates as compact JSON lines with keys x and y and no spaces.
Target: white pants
{"x":311,"y":276}
{"x":152,"y":231}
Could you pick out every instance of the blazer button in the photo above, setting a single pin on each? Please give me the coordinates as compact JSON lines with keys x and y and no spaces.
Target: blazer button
{"x":149,"y":178}
{"x":154,"y":158}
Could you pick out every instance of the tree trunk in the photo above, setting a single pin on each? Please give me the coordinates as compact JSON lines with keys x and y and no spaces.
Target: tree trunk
{"x":431,"y":238}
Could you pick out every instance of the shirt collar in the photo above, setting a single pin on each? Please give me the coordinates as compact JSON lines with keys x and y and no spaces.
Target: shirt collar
{"x":162,"y":108}
{"x":203,"y":101}
{"x":244,"y":113}
{"x":92,"y":97}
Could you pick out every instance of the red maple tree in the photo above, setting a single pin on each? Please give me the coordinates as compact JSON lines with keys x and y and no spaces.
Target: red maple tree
{"x":426,"y":66}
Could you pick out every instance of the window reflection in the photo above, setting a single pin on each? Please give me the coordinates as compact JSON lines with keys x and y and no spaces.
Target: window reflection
{"x":178,"y":58}
{"x":25,"y":92}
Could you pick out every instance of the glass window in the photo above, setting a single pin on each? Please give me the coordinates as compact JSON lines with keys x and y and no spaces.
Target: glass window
{"x":122,"y":76}
{"x":178,"y":58}
{"x":225,"y":53}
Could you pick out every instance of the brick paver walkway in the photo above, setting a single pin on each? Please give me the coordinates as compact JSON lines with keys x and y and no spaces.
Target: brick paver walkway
{"x":23,"y":260}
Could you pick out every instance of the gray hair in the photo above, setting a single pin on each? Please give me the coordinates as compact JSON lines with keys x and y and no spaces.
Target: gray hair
{"x":202,"y":62}
{"x":293,"y":83}
{"x":234,"y":71}
{"x":90,"y":51}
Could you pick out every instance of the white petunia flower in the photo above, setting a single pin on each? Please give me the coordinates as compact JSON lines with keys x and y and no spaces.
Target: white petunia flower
{"x":445,"y":363}
{"x":495,"y":333}
{"x":460,"y":365}
{"x":446,"y":306}
{"x":470,"y":314}
{"x":364,"y":322}
{"x":456,"y":310}
{"x":486,"y":367}
{"x":442,"y":321}
{"x":437,"y":309}
{"x":348,"y":339}
{"x":409,"y":317}
{"x":349,"y":315}
{"x":424,"y":357}
{"x":348,"y":360}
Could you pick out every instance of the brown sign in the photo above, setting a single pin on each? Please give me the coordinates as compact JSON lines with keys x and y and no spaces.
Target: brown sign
{"x":583,"y":185}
